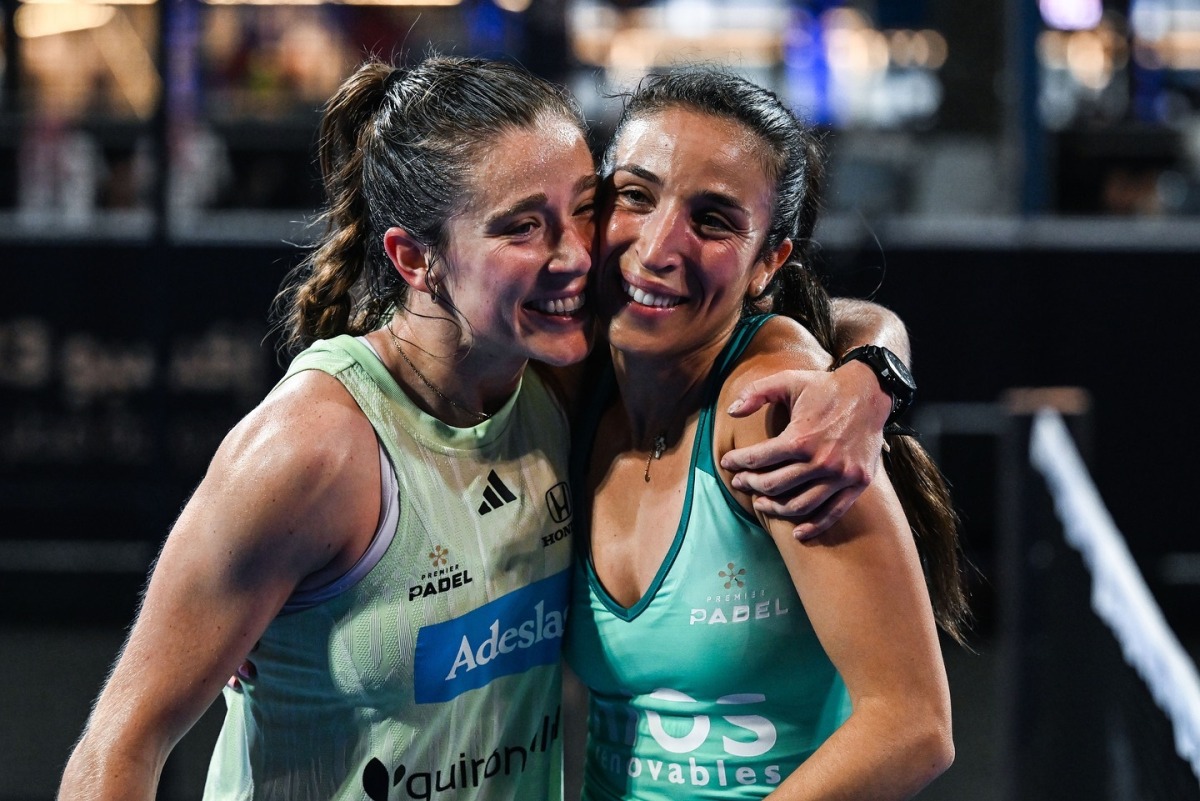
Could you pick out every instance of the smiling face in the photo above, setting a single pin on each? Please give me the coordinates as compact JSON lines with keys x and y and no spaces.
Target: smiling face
{"x":682,"y":239}
{"x":519,"y":253}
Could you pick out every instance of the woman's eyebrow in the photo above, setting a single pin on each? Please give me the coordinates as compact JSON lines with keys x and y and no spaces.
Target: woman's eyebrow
{"x":712,"y":196}
{"x":528,"y":203}
{"x":722,"y":199}
{"x":536,"y":201}
{"x":640,"y":172}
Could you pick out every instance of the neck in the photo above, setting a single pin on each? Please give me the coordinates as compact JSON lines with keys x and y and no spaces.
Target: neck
{"x":444,"y":375}
{"x":659,"y":395}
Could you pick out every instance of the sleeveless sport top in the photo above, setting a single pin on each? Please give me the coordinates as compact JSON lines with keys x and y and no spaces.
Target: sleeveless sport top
{"x":435,"y":674}
{"x":713,"y":685}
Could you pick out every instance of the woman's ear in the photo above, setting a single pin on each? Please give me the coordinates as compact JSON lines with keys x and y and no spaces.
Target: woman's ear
{"x":766,"y":268}
{"x":409,"y":257}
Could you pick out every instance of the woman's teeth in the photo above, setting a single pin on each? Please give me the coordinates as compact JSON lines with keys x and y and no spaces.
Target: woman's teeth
{"x":644,"y":298}
{"x":560,"y":305}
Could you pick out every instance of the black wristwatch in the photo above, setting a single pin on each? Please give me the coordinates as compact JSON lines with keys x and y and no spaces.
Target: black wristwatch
{"x":892,"y":373}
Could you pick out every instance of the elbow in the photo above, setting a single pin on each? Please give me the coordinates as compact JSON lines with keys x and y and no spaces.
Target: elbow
{"x":933,"y":748}
{"x":941,"y":752}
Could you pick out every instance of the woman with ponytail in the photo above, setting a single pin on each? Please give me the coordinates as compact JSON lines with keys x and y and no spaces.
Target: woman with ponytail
{"x":724,"y":657}
{"x":388,"y":533}
{"x":385,"y":531}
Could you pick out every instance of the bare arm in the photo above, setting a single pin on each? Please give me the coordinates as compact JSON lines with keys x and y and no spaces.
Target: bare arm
{"x":863,"y":588}
{"x":283,"y":499}
{"x":864,"y":592}
{"x":861,"y":322}
{"x":815,"y":469}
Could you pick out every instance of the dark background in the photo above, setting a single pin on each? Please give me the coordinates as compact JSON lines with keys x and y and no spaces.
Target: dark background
{"x":1022,"y":251}
{"x":108,"y":467}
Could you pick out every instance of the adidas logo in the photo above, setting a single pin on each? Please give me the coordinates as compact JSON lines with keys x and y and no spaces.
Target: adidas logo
{"x":496,"y":495}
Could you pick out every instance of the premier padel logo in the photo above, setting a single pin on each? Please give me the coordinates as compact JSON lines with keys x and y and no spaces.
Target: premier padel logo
{"x":495,"y":495}
{"x":736,"y":601}
{"x":733,"y":575}
{"x":441,"y":577}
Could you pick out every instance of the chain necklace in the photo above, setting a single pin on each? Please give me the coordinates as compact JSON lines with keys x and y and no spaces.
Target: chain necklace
{"x":479,"y":416}
{"x":656,"y":452}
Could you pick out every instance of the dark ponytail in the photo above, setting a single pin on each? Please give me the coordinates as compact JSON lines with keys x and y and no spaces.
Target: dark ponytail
{"x":795,"y":161}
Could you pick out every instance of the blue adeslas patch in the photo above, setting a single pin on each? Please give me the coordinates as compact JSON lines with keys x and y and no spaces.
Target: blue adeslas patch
{"x":509,"y":635}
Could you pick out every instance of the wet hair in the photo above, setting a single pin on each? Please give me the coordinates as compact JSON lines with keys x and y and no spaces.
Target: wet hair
{"x":794,"y":160}
{"x":397,"y":145}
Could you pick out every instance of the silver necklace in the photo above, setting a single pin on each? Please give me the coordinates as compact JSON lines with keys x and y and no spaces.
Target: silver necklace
{"x":656,"y":451}
{"x":480,"y":416}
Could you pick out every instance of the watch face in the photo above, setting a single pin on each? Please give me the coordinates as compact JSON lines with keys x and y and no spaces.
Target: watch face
{"x":898,"y":367}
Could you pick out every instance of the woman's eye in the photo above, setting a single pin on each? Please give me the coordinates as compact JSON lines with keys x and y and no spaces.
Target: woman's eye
{"x":713,"y":222}
{"x":633,"y":195}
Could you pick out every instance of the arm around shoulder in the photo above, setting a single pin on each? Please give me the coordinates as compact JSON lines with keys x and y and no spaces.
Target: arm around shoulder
{"x":863,"y":322}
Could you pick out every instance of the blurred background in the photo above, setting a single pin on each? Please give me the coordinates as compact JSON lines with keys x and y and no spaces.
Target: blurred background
{"x":1019,"y":179}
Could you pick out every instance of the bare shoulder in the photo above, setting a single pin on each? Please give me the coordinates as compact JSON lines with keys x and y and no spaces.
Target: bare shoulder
{"x":300,"y":471}
{"x":307,"y":428}
{"x":780,"y":344}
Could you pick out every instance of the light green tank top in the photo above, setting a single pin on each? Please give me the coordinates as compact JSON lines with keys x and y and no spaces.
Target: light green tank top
{"x":436,"y":673}
{"x":714,"y":685}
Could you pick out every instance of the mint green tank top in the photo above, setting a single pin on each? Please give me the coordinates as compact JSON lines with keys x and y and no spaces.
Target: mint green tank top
{"x":434,"y":674}
{"x":713,"y":685}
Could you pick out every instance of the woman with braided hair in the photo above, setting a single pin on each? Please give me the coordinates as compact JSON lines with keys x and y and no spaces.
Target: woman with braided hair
{"x":390,"y":529}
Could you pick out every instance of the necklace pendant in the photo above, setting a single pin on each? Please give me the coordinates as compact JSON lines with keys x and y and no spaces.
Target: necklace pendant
{"x":656,"y":452}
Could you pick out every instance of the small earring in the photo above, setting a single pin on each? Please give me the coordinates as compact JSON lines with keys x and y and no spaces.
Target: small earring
{"x":432,"y":285}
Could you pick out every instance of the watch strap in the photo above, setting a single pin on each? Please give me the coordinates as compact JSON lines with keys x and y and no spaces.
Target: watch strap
{"x":901,"y":388}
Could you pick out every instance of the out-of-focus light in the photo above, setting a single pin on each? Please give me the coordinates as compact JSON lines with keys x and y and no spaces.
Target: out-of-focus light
{"x":1052,"y":49}
{"x":1149,"y":19}
{"x":857,"y":51}
{"x":631,"y":52}
{"x":932,"y":50}
{"x":323,"y":2}
{"x":1071,"y":15}
{"x":88,"y":2}
{"x":843,"y":18}
{"x":50,"y":19}
{"x":1088,"y":60}
{"x":902,"y":48}
{"x":690,"y":17}
{"x":1178,"y":51}
{"x":514,"y":6}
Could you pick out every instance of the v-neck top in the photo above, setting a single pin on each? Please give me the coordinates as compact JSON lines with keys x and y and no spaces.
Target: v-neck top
{"x":712,"y":685}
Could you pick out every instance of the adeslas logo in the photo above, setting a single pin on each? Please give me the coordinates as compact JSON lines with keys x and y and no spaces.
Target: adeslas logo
{"x":509,"y":635}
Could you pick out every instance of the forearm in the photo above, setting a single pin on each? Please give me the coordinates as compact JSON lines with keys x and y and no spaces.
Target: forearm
{"x":103,"y":767}
{"x":863,"y":589}
{"x":883,"y":752}
{"x":861,"y":322}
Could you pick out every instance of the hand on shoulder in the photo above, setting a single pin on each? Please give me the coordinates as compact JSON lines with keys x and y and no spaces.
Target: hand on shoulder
{"x":810,"y":442}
